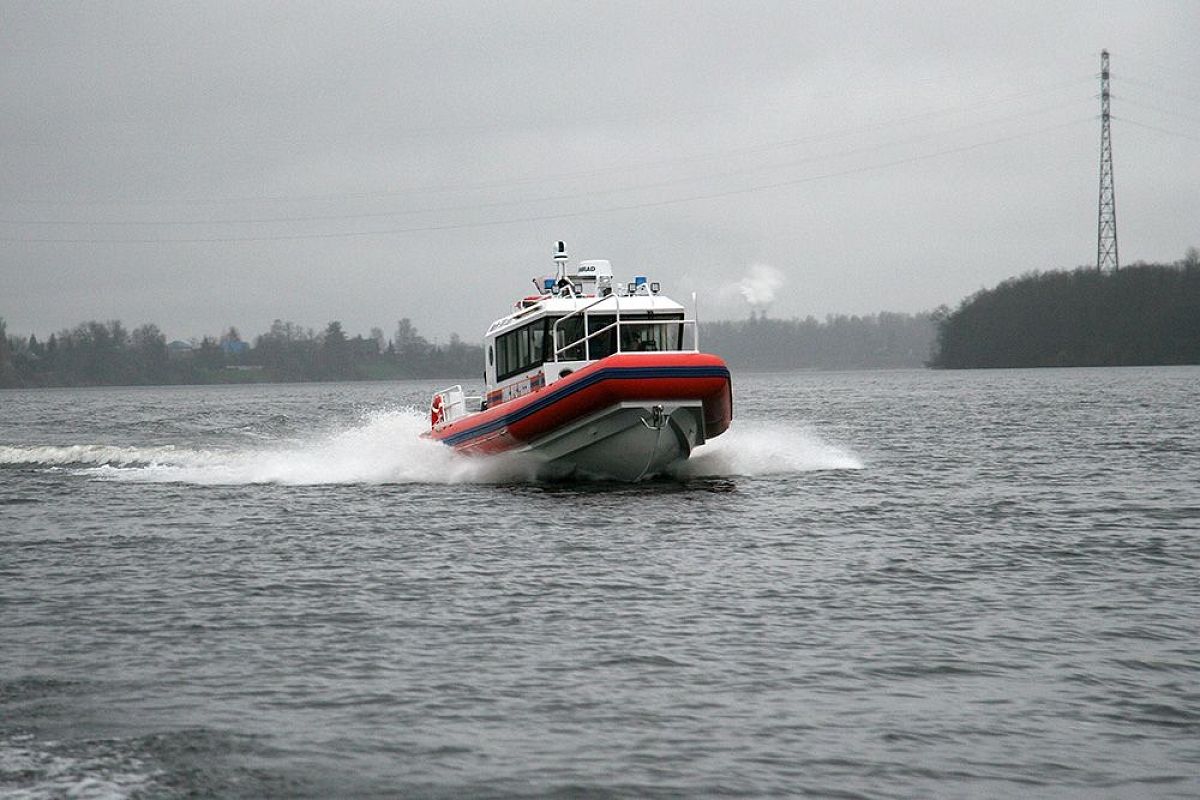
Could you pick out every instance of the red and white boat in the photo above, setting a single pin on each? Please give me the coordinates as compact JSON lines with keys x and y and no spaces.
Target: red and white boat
{"x":591,"y":377}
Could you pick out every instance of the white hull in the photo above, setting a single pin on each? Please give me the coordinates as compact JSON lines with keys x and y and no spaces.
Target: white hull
{"x":629,"y":441}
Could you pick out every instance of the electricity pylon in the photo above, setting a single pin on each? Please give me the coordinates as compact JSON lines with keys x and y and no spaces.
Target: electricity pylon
{"x":1106,"y":237}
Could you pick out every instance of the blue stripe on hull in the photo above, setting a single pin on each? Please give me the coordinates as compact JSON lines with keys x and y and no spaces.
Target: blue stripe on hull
{"x":555,"y":395}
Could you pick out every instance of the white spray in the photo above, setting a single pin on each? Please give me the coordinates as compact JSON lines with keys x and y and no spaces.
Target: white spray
{"x":386,"y":448}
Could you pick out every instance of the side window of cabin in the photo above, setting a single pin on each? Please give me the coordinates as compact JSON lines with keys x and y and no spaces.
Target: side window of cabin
{"x":512,"y":355}
{"x":523,"y":356}
{"x":537,"y":341}
{"x":520,"y":350}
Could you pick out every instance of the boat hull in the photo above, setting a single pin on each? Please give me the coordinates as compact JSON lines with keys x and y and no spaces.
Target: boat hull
{"x":626,"y":417}
{"x":627,"y":442}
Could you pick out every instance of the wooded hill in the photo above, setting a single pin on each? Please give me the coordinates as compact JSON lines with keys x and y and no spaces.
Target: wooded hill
{"x":1143,"y":314}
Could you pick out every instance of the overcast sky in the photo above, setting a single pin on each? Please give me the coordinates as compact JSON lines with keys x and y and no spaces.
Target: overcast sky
{"x":201,"y":165}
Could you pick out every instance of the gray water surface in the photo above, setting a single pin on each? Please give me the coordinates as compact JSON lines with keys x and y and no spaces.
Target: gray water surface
{"x":888,"y":584}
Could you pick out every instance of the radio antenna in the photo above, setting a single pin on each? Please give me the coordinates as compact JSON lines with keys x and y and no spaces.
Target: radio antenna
{"x":560,"y":261}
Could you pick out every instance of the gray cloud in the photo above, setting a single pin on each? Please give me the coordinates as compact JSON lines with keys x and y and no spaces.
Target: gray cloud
{"x":881,"y":156}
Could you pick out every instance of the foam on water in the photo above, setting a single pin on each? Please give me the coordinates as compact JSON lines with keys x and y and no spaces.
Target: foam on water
{"x":97,"y":454}
{"x":386,"y":447}
{"x":767,"y":448}
{"x":33,"y":771}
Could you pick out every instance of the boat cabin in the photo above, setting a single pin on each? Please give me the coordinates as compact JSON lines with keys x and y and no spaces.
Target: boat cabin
{"x":579,"y":316}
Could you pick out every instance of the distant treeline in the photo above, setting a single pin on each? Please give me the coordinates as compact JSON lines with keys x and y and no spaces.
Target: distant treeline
{"x":875,"y":341}
{"x":1143,"y":314}
{"x":106,"y":353}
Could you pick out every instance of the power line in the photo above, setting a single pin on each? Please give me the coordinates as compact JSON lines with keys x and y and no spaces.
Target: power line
{"x":528,"y":201}
{"x":564,"y":214}
{"x":634,"y":167}
{"x":1158,"y":88}
{"x":1159,"y":109}
{"x":1171,"y":73}
{"x":1155,"y":128}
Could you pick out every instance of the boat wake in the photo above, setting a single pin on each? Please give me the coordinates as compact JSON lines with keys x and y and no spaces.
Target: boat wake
{"x":757,"y":447}
{"x":386,"y":448}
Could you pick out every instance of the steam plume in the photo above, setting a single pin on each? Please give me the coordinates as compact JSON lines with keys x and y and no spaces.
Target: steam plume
{"x":760,"y":284}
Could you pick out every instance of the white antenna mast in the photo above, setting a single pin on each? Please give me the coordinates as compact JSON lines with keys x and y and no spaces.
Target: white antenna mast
{"x":560,"y":261}
{"x":696,"y":327}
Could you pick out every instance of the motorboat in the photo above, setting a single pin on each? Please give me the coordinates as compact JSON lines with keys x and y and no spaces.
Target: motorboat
{"x":590,"y":377}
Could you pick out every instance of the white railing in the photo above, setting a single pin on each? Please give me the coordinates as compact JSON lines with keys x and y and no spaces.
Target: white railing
{"x":455,"y":403}
{"x":582,"y":311}
{"x":640,"y":321}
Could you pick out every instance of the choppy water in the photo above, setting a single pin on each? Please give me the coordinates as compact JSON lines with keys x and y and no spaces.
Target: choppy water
{"x":908,"y":584}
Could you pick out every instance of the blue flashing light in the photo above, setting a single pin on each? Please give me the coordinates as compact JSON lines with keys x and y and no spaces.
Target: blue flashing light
{"x":547,"y":283}
{"x":639,"y":280}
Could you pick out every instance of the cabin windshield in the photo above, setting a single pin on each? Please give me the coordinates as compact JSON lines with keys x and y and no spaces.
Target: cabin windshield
{"x":640,"y":334}
{"x":637,"y":333}
{"x":529,"y":346}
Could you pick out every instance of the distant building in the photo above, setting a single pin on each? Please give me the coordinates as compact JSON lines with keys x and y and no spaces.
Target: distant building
{"x":178,"y":350}
{"x":234,"y":347}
